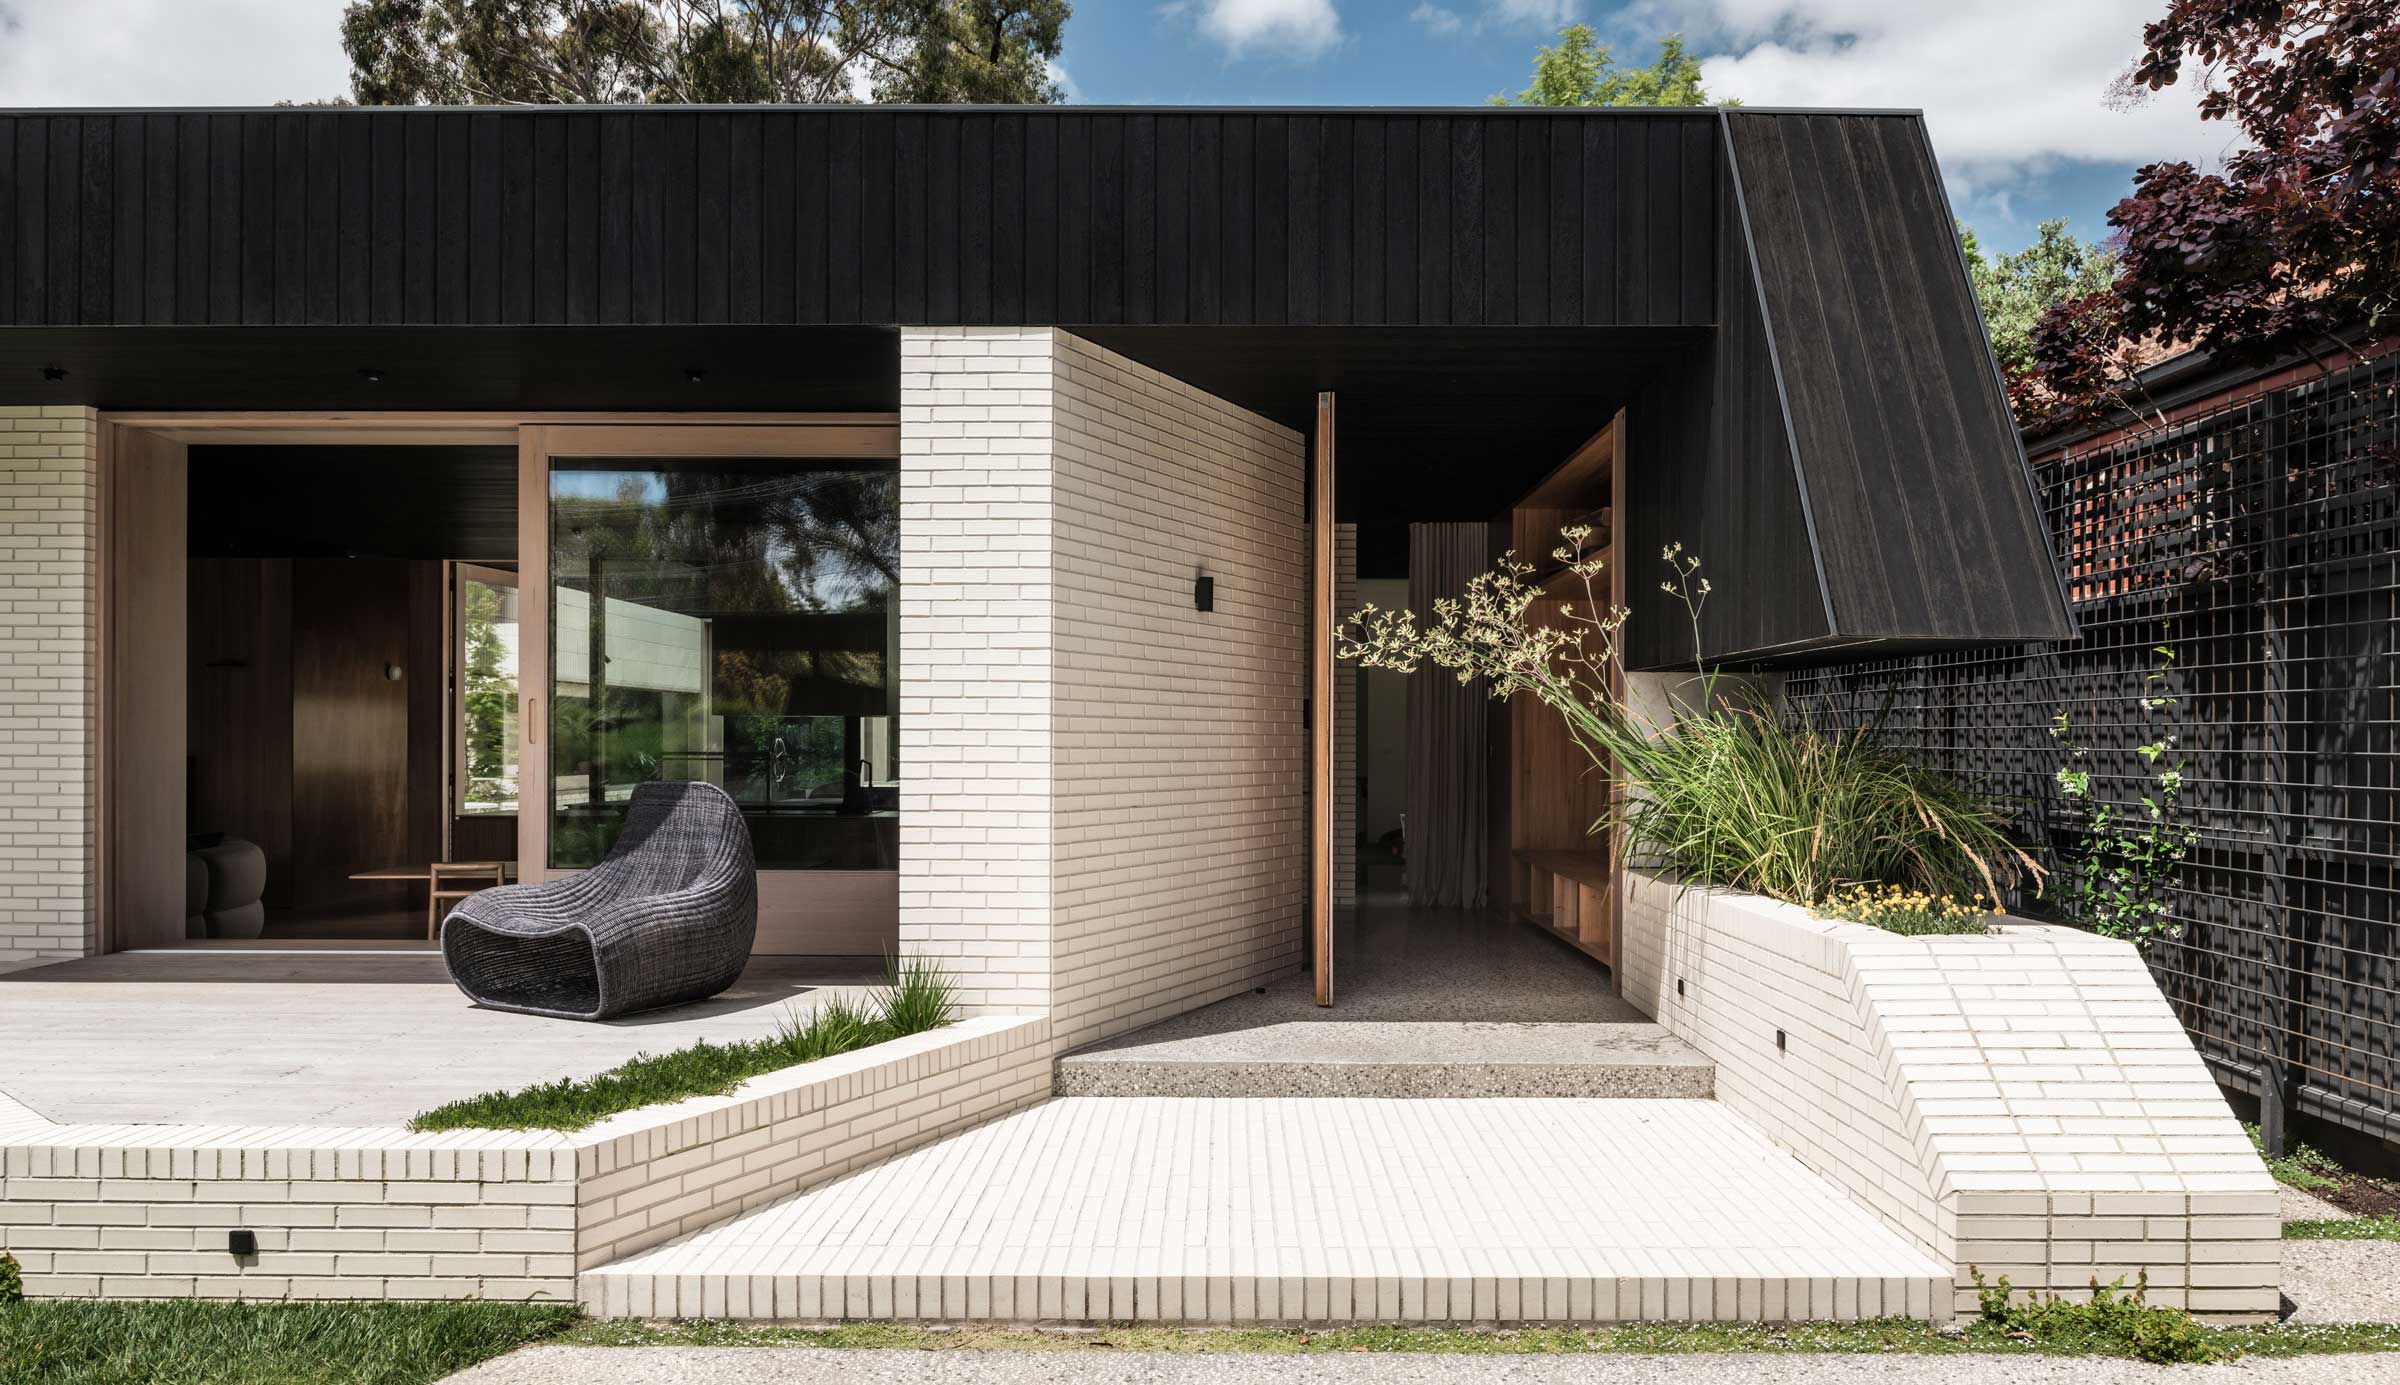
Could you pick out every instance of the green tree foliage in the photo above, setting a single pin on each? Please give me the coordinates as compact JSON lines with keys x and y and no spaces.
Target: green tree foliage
{"x":2016,"y":289}
{"x":703,"y":52}
{"x":1579,"y":70}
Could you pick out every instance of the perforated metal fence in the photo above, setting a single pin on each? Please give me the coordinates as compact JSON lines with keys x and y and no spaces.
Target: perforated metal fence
{"x":2260,"y":541}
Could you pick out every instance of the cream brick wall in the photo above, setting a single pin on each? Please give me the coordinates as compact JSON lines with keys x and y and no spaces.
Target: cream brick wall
{"x":375,"y":1213}
{"x":144,"y":1211}
{"x":649,"y":1176}
{"x":49,"y":501}
{"x":977,"y":649}
{"x":2025,"y":1103}
{"x":1104,"y":807}
{"x":1181,"y":760}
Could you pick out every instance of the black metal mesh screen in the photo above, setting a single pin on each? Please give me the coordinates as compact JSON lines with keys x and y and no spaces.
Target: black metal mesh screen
{"x":2261,"y":542}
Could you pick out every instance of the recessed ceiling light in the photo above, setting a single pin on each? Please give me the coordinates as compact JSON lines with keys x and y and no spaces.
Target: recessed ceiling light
{"x":693,"y":373}
{"x":54,"y":373}
{"x":373,"y":375}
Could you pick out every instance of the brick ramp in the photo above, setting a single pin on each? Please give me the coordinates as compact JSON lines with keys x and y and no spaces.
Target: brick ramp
{"x":1305,"y":1210}
{"x":1393,"y":1058}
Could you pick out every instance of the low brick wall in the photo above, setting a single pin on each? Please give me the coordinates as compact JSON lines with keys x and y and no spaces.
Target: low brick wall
{"x":650,"y":1176}
{"x":2025,"y":1103}
{"x":144,"y":1212}
{"x":379,"y":1213}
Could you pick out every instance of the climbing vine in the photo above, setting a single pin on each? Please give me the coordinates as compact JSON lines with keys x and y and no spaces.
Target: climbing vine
{"x":2121,"y":876}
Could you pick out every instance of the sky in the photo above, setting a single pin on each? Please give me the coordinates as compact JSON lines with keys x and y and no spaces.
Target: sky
{"x":2015,"y":92}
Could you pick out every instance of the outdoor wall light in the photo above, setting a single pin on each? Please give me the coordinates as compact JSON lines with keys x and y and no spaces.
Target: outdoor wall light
{"x":241,"y":1243}
{"x":391,"y":673}
{"x":54,"y":373}
{"x":1204,"y":593}
{"x":1779,"y":1041}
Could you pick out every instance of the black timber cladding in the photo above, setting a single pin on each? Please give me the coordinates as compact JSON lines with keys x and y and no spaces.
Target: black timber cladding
{"x":1774,"y":298}
{"x":882,"y":215}
{"x":1911,"y":472}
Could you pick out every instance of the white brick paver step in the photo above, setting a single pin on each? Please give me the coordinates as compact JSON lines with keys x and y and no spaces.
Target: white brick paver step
{"x":1184,"y":1209}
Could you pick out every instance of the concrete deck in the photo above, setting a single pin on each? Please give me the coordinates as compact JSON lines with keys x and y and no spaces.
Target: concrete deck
{"x":292,"y":1038}
{"x":1428,"y":1003}
{"x":1184,"y":1210}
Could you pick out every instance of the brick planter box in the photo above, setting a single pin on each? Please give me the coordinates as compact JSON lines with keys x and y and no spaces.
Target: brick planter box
{"x":145,"y":1211}
{"x":2024,"y":1103}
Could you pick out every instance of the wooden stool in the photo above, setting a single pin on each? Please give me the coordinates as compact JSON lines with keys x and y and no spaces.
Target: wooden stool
{"x":454,"y":880}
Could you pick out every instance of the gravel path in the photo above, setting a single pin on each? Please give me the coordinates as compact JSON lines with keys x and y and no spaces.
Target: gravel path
{"x":2342,"y":1281}
{"x":817,"y":1366}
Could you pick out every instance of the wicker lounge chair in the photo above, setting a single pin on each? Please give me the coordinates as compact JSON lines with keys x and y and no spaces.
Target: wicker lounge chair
{"x":667,"y":918}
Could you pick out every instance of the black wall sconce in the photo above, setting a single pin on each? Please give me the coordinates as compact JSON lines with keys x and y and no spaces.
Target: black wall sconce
{"x":54,"y":373}
{"x":1204,"y":593}
{"x":243,"y":1243}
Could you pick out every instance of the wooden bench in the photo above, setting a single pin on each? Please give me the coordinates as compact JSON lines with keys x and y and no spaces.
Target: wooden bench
{"x":1573,"y":894}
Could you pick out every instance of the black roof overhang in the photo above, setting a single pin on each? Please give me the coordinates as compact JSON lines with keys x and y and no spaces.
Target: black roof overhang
{"x":1435,"y":423}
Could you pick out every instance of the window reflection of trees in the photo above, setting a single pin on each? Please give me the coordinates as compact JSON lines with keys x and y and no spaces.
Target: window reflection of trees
{"x":796,"y":574}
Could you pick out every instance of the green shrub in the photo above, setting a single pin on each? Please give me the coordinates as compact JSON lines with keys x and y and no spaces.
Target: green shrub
{"x":12,"y":1279}
{"x":917,"y":996}
{"x":2114,"y":1322}
{"x":1747,"y":800}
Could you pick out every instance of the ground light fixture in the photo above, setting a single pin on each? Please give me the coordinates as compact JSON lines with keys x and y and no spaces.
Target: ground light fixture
{"x":1204,"y":593}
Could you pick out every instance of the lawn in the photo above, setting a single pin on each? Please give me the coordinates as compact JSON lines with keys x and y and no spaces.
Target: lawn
{"x":76,"y":1342}
{"x":82,"y":1343}
{"x":916,"y":996}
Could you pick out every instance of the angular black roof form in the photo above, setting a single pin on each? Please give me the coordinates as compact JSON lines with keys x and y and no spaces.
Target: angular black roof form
{"x":1776,"y":299}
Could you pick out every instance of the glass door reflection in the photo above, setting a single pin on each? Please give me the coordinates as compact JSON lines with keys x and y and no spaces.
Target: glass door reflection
{"x":732,"y":620}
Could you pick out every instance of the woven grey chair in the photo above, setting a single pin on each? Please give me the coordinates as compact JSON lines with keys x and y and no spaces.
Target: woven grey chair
{"x":668,"y":917}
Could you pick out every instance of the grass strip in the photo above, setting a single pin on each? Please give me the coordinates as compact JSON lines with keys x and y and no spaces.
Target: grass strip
{"x":79,"y":1342}
{"x":2343,"y":1229}
{"x":1883,"y":1336}
{"x":916,"y":996}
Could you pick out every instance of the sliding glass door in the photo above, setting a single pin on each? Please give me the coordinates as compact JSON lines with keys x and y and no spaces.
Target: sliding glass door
{"x":722,"y":604}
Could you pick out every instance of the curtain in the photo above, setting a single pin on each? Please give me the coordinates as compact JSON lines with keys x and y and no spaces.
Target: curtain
{"x":1448,"y":749}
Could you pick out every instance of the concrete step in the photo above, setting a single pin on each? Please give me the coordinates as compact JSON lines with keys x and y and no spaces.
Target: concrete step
{"x":1184,"y":1210}
{"x":1392,"y":1058}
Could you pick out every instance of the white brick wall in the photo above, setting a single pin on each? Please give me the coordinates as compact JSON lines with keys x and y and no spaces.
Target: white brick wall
{"x":650,"y":1176}
{"x":977,"y":648}
{"x":372,"y":1213}
{"x":2025,"y":1103}
{"x":49,"y":488}
{"x":1104,"y":811}
{"x":143,"y":1212}
{"x":1182,"y":763}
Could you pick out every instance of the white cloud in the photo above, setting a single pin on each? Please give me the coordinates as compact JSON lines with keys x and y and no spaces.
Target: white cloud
{"x":2011,"y":89}
{"x":1303,"y":30}
{"x":1547,"y":16}
{"x":1435,"y":20}
{"x":170,"y":52}
{"x":1542,"y":14}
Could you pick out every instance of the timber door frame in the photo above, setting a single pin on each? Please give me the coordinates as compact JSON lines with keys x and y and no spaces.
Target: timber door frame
{"x":132,"y":755}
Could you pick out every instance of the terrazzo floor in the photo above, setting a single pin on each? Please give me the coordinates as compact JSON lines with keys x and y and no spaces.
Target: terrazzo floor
{"x":1428,"y":1003}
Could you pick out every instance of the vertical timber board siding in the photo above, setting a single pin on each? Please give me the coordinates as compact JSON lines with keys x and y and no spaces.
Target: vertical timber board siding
{"x":1710,"y":466}
{"x":49,"y":649}
{"x":978,"y":624}
{"x":865,"y":215}
{"x":1181,"y":765}
{"x":1915,"y":483}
